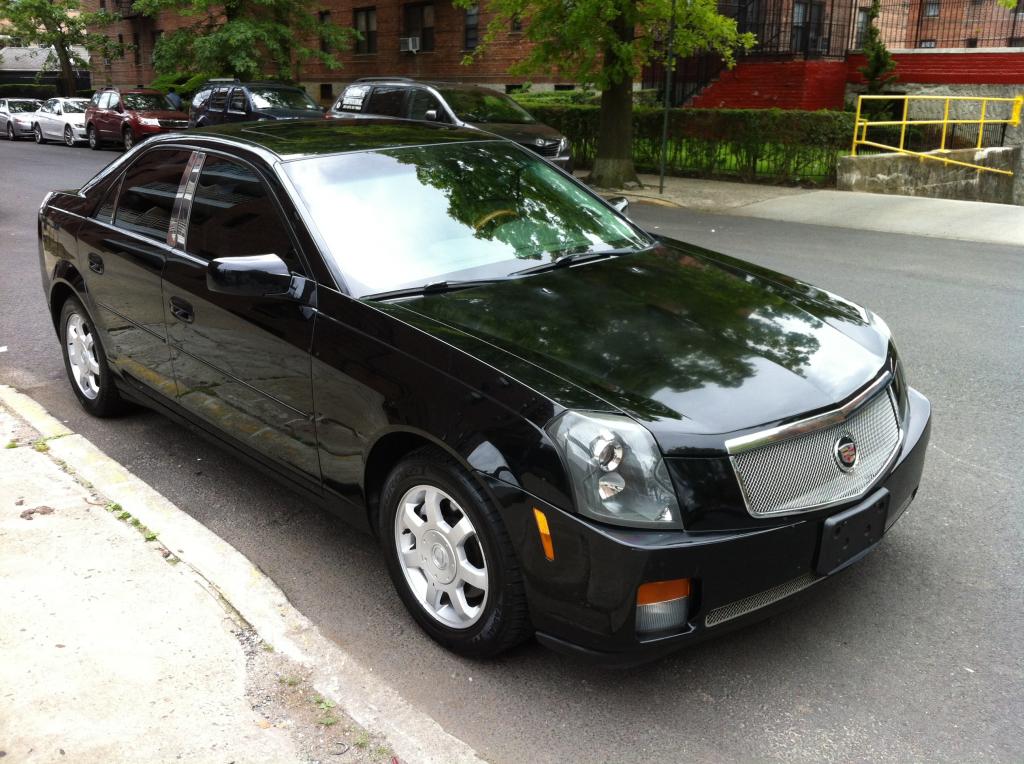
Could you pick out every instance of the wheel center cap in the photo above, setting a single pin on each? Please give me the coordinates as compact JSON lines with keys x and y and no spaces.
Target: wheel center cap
{"x":438,"y":557}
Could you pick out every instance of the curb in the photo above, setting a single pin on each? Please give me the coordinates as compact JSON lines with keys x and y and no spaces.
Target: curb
{"x":413,"y":735}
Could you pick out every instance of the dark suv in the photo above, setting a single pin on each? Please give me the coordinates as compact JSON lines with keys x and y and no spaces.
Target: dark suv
{"x":454,"y":104}
{"x":127,"y":116}
{"x":220,"y":101}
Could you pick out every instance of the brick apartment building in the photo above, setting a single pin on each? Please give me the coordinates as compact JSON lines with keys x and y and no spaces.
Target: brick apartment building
{"x":445,"y":34}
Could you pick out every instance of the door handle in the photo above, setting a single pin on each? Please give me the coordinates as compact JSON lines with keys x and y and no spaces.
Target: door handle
{"x":95,"y":263}
{"x":182,"y":310}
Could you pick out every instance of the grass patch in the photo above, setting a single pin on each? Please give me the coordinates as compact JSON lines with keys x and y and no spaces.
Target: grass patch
{"x":12,"y":444}
{"x":362,"y":740}
{"x":40,"y":446}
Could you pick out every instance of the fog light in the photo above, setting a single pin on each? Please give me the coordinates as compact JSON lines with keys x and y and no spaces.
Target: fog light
{"x":662,"y":606}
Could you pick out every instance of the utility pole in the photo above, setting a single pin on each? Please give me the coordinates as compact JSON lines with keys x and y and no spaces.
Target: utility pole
{"x":670,"y":59}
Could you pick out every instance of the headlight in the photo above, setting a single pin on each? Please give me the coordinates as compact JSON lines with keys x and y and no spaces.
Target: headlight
{"x":899,"y":375}
{"x":617,"y":471}
{"x":149,"y":121}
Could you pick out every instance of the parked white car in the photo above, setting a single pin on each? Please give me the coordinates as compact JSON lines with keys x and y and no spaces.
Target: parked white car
{"x":16,"y":116}
{"x":60,"y":119}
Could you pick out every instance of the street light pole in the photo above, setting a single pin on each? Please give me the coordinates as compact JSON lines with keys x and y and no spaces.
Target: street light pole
{"x":669,"y":66}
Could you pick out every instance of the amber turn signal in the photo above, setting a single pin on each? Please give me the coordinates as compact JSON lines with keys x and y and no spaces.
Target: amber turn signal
{"x":662,"y":607}
{"x":662,"y":591}
{"x":545,"y":533}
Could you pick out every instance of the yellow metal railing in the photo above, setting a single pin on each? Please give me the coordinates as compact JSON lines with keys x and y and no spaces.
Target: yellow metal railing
{"x":985,"y":117}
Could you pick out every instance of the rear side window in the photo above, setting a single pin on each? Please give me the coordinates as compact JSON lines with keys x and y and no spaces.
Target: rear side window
{"x":148,"y":191}
{"x":238,"y":100}
{"x":218,"y":99}
{"x":386,"y":101}
{"x":233,"y":215}
{"x":353,"y":98}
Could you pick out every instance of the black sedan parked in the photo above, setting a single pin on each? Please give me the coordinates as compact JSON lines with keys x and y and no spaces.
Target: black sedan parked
{"x":556,"y":423}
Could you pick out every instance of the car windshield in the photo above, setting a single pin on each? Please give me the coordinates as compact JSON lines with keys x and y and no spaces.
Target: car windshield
{"x":22,"y":106}
{"x":282,"y":98}
{"x":144,"y":101}
{"x":74,"y":107}
{"x":484,"y":106}
{"x":406,"y":217}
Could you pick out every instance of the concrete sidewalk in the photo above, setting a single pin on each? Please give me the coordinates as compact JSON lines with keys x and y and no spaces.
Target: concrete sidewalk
{"x":131,"y":633}
{"x":914,"y":216}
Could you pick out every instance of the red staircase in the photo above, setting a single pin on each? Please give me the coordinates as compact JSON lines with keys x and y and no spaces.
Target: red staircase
{"x":808,"y":85}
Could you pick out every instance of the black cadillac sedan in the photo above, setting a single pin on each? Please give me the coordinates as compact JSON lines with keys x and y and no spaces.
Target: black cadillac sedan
{"x":555,"y":423}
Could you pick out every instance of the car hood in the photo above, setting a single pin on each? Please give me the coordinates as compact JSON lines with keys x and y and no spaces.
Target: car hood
{"x":688,"y":342}
{"x":163,"y":114}
{"x":528,"y":134}
{"x":73,"y":119}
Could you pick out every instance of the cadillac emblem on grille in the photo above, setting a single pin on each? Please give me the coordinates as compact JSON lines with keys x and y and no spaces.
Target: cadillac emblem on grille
{"x":845,"y":452}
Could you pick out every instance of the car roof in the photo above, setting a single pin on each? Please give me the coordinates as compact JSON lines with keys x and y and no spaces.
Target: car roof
{"x":250,"y":84}
{"x":144,"y":91}
{"x":317,"y":137}
{"x":429,"y":83}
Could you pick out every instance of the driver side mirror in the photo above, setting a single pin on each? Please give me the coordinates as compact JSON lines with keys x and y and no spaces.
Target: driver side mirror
{"x":620,"y":203}
{"x":253,"y":276}
{"x":430,"y":115}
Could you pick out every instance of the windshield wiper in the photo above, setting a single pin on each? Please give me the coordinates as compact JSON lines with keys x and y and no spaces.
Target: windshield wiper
{"x":581,"y":257}
{"x":434,"y":287}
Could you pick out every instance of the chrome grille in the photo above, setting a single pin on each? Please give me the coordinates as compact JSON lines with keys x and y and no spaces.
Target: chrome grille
{"x":547,"y":150}
{"x":174,"y":124}
{"x":801,"y":473}
{"x":757,"y":601}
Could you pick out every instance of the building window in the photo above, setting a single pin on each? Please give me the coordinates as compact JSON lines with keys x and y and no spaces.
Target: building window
{"x":324,"y":17}
{"x":516,"y":25}
{"x":513,"y":89}
{"x":137,"y":44}
{"x":971,"y":42}
{"x":862,"y":27}
{"x":926,"y":44}
{"x":1017,"y":42}
{"x":365,"y":22}
{"x":154,"y":38}
{"x":326,"y":91}
{"x":120,"y":43}
{"x":472,"y":32}
{"x":565,"y":87}
{"x":419,"y":22}
{"x":931,"y":8}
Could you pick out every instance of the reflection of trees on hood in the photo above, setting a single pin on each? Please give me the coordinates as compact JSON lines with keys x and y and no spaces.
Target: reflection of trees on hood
{"x":639,"y":324}
{"x":481,"y":180}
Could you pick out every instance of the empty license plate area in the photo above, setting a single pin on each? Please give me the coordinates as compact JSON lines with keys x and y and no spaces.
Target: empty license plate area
{"x":846,"y":535}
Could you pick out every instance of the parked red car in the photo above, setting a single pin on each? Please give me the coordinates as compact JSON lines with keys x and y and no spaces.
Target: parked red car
{"x":127,"y":116}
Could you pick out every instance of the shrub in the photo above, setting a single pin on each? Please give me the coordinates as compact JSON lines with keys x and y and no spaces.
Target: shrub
{"x":184,"y":84}
{"x":20,"y":90}
{"x":767,"y":145}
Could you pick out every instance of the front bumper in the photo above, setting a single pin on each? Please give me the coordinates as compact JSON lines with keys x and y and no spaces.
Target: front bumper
{"x":584,"y":601}
{"x":22,"y":130}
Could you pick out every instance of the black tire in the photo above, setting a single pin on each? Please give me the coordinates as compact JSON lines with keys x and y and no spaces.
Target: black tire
{"x":69,"y":136}
{"x":504,"y":621}
{"x":128,"y":138}
{"x":94,"y":138}
{"x":37,"y":131}
{"x":107,"y":401}
{"x":10,"y":132}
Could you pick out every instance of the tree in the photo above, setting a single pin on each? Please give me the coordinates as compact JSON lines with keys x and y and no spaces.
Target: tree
{"x":62,"y":25}
{"x":239,"y":37}
{"x":605,"y":44}
{"x":878,"y":69}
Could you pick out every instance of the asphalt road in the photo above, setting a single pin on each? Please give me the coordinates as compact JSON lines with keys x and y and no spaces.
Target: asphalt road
{"x":915,"y":653}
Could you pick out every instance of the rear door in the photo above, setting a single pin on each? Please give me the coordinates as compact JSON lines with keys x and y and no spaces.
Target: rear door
{"x":242,"y":364}
{"x":215,"y":106}
{"x":123,"y":250}
{"x":238,"y":106}
{"x":387,"y":101}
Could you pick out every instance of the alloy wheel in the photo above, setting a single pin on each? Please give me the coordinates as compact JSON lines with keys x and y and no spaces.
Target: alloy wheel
{"x":129,"y":139}
{"x":81,"y":350}
{"x":38,"y":131}
{"x":441,"y":556}
{"x":10,"y":132}
{"x":69,"y":136}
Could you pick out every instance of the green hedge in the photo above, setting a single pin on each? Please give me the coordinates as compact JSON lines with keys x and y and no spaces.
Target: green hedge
{"x":766,"y":145}
{"x":20,"y":90}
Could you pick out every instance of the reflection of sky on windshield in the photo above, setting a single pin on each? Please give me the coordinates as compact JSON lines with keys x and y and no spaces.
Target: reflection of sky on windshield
{"x":353,"y":215}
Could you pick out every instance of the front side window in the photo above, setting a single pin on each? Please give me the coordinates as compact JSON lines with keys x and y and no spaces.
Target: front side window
{"x":233,"y":215}
{"x":219,"y":99}
{"x":282,"y":98}
{"x":365,"y":22}
{"x":421,"y":101}
{"x":419,"y":22}
{"x":451,"y":212}
{"x":148,"y":192}
{"x":238,"y":102}
{"x":485,"y":106}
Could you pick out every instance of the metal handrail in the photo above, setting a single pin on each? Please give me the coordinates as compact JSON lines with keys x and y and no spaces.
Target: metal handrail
{"x":861,"y":126}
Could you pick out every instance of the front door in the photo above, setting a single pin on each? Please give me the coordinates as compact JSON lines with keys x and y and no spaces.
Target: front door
{"x":242,"y":364}
{"x":122,"y":252}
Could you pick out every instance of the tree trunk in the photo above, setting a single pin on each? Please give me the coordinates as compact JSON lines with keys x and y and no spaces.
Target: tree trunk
{"x":67,"y":72}
{"x":613,"y":165}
